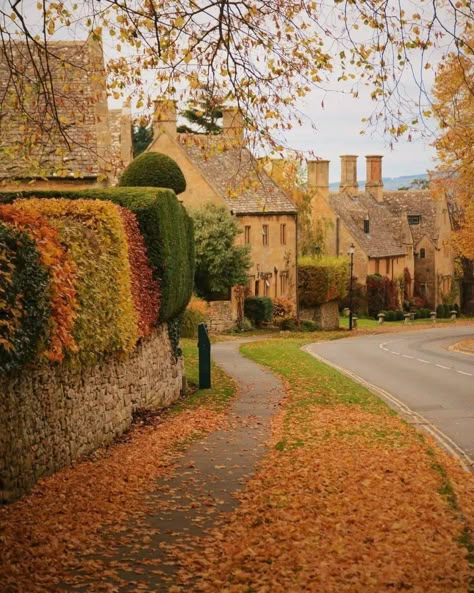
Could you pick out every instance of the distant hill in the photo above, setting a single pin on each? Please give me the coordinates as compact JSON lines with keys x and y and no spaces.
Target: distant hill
{"x":389,"y":183}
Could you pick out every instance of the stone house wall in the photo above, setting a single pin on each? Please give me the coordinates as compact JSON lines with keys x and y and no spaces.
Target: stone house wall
{"x":51,"y":416}
{"x":273,"y":256}
{"x":425,"y":278}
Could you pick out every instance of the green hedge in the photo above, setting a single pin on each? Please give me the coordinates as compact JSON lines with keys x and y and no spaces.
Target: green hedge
{"x":24,"y":299}
{"x":167,"y":230}
{"x":258,"y":309}
{"x":154,"y":169}
{"x":322,"y":280}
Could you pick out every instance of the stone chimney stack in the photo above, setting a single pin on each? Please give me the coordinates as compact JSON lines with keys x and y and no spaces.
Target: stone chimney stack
{"x":318,"y":177}
{"x":164,"y":117}
{"x":232,"y":123}
{"x":349,"y":174}
{"x":374,"y":183}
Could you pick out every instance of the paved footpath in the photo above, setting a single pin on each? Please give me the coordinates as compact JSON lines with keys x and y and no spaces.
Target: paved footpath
{"x":202,"y":485}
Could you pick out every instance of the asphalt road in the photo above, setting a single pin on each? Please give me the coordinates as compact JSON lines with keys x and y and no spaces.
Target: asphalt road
{"x":417,"y":373}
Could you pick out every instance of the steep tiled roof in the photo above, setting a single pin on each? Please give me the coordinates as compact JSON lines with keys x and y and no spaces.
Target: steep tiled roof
{"x":236,"y":175}
{"x":384,"y":227}
{"x":415,"y":203}
{"x":33,"y":146}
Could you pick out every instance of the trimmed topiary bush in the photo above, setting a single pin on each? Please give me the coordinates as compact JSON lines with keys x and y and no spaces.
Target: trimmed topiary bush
{"x":94,"y":235}
{"x":166,"y":228}
{"x":154,"y":169}
{"x":258,"y":309}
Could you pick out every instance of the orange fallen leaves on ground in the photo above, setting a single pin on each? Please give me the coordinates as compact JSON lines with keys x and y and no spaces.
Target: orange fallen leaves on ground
{"x":48,"y":535}
{"x":341,"y":513}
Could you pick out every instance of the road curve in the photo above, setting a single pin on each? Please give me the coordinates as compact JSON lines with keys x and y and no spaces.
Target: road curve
{"x":418,"y":374}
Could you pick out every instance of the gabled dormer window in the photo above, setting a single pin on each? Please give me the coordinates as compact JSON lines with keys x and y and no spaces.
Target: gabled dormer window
{"x":414,"y":218}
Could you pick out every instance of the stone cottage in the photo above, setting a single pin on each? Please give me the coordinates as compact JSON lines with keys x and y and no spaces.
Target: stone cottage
{"x":221,"y":170}
{"x":393,"y":232}
{"x":97,"y":143}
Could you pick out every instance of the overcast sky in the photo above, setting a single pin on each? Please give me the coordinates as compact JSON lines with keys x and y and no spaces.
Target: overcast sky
{"x":337,"y":132}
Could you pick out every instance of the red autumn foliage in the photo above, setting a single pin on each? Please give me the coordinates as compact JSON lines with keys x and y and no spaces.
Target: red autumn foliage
{"x":145,"y":290}
{"x":63,"y":294}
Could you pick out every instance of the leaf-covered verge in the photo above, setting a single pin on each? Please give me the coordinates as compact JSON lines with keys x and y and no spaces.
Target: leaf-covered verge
{"x":51,"y":534}
{"x":350,"y":498}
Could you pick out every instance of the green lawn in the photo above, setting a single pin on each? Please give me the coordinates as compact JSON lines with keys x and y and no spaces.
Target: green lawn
{"x":372,"y":323}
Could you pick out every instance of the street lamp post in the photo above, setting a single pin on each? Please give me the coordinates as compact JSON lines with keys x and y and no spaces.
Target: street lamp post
{"x":351,"y":253}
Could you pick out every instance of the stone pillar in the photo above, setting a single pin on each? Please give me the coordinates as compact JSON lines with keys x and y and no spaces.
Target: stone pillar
{"x":164,"y":117}
{"x":374,"y":183}
{"x":349,"y":174}
{"x":318,"y":177}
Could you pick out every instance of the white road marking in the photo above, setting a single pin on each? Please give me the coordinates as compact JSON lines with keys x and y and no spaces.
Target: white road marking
{"x":383,"y":346}
{"x":463,"y":373}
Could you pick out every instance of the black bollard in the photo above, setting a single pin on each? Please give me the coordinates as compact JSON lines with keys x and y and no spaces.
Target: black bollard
{"x":204,"y":345}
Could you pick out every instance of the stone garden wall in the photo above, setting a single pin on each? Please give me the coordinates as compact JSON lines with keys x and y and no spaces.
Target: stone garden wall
{"x":326,"y":316}
{"x":220,"y":317}
{"x":51,"y":416}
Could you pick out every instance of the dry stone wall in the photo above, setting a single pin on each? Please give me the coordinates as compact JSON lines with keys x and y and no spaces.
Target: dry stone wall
{"x":220,"y":317}
{"x":325,"y":316}
{"x":51,"y":416}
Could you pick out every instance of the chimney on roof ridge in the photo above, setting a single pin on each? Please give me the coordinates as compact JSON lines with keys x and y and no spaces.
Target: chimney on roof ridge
{"x":232,"y":123}
{"x":164,"y":117}
{"x":374,"y":183}
{"x":318,"y":177}
{"x":349,"y":174}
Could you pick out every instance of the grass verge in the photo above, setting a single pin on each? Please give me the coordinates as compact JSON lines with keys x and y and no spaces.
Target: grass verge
{"x":222,"y":386}
{"x":330,"y":420}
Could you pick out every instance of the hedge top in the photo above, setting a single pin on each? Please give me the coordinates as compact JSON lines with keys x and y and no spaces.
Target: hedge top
{"x":154,"y":169}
